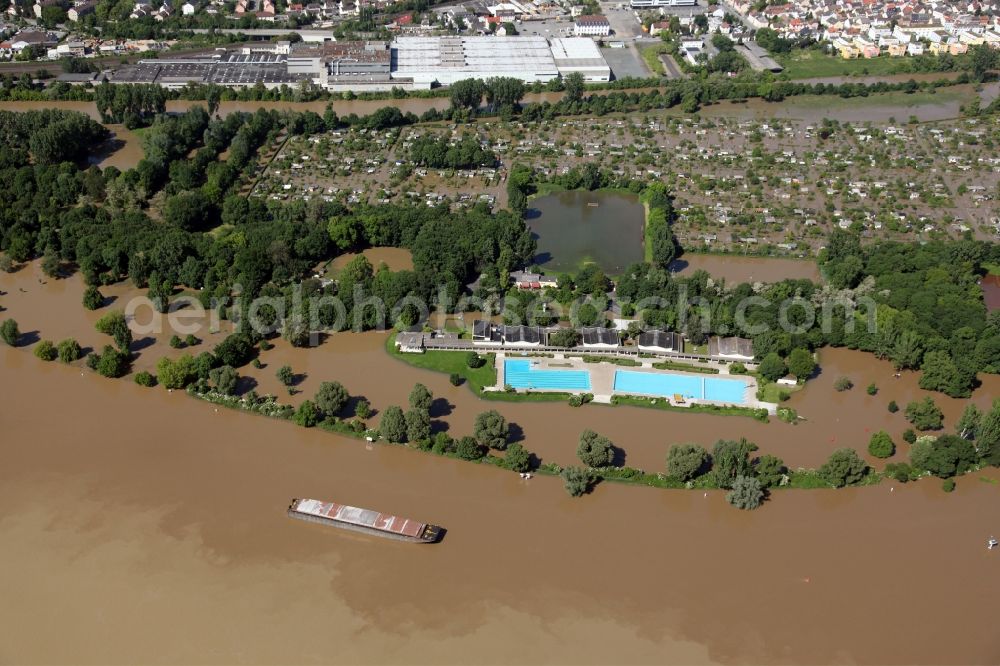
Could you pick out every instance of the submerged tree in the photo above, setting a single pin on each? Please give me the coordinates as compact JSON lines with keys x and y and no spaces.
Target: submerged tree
{"x":747,"y":493}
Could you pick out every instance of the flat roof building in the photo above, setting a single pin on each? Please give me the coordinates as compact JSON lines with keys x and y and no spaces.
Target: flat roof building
{"x":580,"y":54}
{"x":599,"y":338}
{"x":593,"y":25}
{"x":445,"y":60}
{"x":660,"y":341}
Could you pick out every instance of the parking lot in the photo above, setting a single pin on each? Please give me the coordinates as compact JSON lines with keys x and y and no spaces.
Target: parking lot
{"x":625,"y":62}
{"x":548,"y":28}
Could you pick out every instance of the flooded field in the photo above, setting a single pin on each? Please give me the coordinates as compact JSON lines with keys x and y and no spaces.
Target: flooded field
{"x":395,"y":258}
{"x":735,"y":268}
{"x":577,"y":227}
{"x":138,"y":516}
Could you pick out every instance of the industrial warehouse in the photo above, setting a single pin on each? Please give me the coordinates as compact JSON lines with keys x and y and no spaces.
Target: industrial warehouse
{"x":409,"y":63}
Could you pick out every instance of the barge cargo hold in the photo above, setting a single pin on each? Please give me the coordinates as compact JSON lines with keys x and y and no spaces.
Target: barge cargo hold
{"x":363,"y":520}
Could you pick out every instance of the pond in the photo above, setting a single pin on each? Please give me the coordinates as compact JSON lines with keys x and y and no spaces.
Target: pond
{"x":578,"y":227}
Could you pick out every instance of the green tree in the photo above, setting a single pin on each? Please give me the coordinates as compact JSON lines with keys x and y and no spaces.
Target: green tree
{"x":225,"y":378}
{"x":730,"y":459}
{"x":801,"y":363}
{"x":467,"y":448}
{"x":939,"y":373}
{"x":111,"y":362}
{"x":943,"y":456}
{"x":418,"y":425}
{"x":421,"y":398}
{"x":176,"y":374}
{"x":988,"y":442}
{"x":574,"y":84}
{"x":772,"y":368}
{"x":968,"y":424}
{"x":595,"y":450}
{"x":880,"y":445}
{"x":46,"y":350}
{"x":10,"y":332}
{"x":362,"y":409}
{"x":517,"y":458}
{"x":491,"y":430}
{"x":924,"y":415}
{"x":115,"y":325}
{"x":686,"y":461}
{"x":770,"y":470}
{"x":392,"y":427}
{"x":69,"y":350}
{"x":746,"y":494}
{"x":331,"y":398}
{"x":92,"y":298}
{"x":474,"y":360}
{"x":578,"y":480}
{"x":306,"y":415}
{"x":285,"y":375}
{"x":843,"y":468}
{"x":467,"y":94}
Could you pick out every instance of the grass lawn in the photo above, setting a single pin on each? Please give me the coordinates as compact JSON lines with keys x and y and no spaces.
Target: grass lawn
{"x":807,"y":64}
{"x":686,"y":367}
{"x":448,"y":362}
{"x":770,"y":391}
{"x":992,"y":269}
{"x":651,"y":55}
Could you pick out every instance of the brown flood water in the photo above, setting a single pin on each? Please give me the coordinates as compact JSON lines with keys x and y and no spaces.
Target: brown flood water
{"x":139,"y":516}
{"x":395,"y":258}
{"x":735,"y":268}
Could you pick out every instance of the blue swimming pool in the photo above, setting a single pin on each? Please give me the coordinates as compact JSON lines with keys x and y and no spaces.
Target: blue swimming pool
{"x":690,"y":386}
{"x":521,"y":374}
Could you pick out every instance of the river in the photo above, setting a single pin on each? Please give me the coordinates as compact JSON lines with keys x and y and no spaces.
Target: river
{"x":146,"y":526}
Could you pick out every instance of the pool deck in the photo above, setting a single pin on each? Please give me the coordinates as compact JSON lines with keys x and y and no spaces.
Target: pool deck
{"x":602,"y":379}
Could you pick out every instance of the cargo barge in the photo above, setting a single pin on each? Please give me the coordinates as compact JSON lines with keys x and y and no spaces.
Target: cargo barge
{"x":363,"y":520}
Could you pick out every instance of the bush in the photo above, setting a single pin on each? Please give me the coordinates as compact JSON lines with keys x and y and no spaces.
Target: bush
{"x":909,"y":436}
{"x":455,"y":379}
{"x":145,"y":379}
{"x":893,"y":407}
{"x":901,"y":472}
{"x":190,"y":340}
{"x":176,"y":342}
{"x":770,"y":470}
{"x":362,"y":409}
{"x":686,"y":461}
{"x":872,"y":389}
{"x":285,"y":375}
{"x":924,"y":415}
{"x":306,"y":415}
{"x":9,"y":332}
{"x":474,"y":360}
{"x":595,"y":450}
{"x":69,"y":350}
{"x":577,"y":480}
{"x":880,"y":445}
{"x":948,"y":485}
{"x":843,"y":384}
{"x":843,"y":468}
{"x":110,"y":362}
{"x":746,"y":494}
{"x":46,"y":350}
{"x":176,"y":374}
{"x":737,"y":368}
{"x":92,"y":298}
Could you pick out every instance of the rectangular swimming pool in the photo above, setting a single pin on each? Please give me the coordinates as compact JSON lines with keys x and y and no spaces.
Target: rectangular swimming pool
{"x":667,"y":385}
{"x":522,"y":374}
